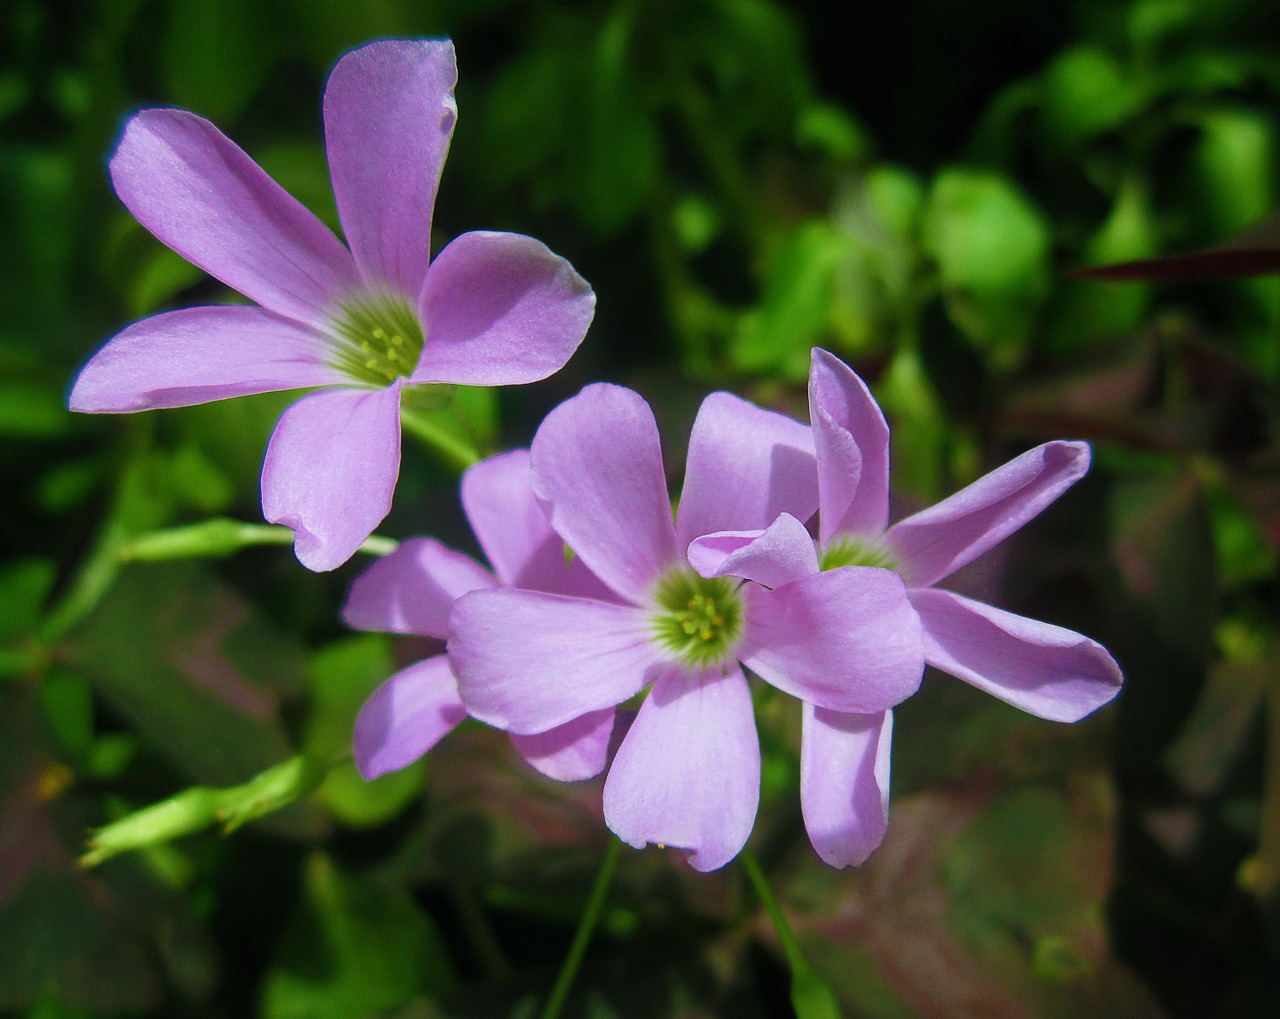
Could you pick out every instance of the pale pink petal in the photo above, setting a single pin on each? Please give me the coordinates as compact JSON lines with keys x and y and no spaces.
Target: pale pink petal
{"x":412,"y":589}
{"x":528,"y":661}
{"x":936,"y":542}
{"x":571,"y":752}
{"x":745,"y":466}
{"x":500,"y":310}
{"x":406,"y":717}
{"x":597,"y":470}
{"x":331,"y":469}
{"x":847,"y":639}
{"x":1047,"y":670}
{"x":844,"y":783}
{"x":852,"y":442}
{"x":388,"y":116}
{"x":687,"y":776}
{"x":195,"y":355}
{"x":197,"y":191}
{"x":515,"y":534}
{"x":781,"y":553}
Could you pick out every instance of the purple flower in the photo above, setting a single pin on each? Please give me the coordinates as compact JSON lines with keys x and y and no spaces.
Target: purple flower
{"x":687,"y":774}
{"x":490,"y":309}
{"x":1038,"y":667}
{"x":411,"y":591}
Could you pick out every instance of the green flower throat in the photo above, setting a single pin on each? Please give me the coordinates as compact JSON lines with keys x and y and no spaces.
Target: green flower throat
{"x":376,"y":338}
{"x":698,"y":619}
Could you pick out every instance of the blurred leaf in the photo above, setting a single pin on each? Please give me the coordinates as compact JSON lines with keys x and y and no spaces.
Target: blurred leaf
{"x":181,"y":656}
{"x":992,"y":250}
{"x":354,"y":949}
{"x":831,"y":131}
{"x":24,"y":586}
{"x":343,"y":675}
{"x":796,"y":302}
{"x":1236,"y":167}
{"x":35,"y":264}
{"x":161,"y":275}
{"x":919,"y":438}
{"x":33,"y":409}
{"x":1085,"y":94}
{"x":216,"y":54}
{"x":1214,"y":735}
{"x":1089,"y":312}
{"x":612,"y":168}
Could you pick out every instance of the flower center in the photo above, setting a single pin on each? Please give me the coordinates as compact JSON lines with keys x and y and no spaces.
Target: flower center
{"x":376,"y":338}
{"x":848,"y":550}
{"x":698,"y":619}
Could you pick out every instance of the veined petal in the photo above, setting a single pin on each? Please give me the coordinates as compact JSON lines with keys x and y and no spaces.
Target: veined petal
{"x":745,"y":466}
{"x":934,"y":543}
{"x":194,"y":355}
{"x":198,"y":192}
{"x":331,"y":469}
{"x":1047,"y":670}
{"x":852,"y":442}
{"x":412,"y":589}
{"x":688,"y":773}
{"x":528,"y":662}
{"x":781,"y":553}
{"x":388,"y":117}
{"x":597,"y":470}
{"x":844,"y":783}
{"x":500,"y":310}
{"x":406,"y":717}
{"x":513,"y":530}
{"x":847,"y":639}
{"x":571,"y":752}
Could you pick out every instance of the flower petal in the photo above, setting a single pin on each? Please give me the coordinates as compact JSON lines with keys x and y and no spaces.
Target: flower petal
{"x":688,"y":773}
{"x":406,"y":717}
{"x":571,"y":752}
{"x":412,"y":589}
{"x":745,"y":466}
{"x":194,"y":355}
{"x":852,"y":442}
{"x":934,"y":543}
{"x":500,"y":310}
{"x":198,"y":192}
{"x":781,"y":553}
{"x":388,"y":117}
{"x":597,"y":469}
{"x":515,"y":534}
{"x":1047,"y":670}
{"x":331,"y":469}
{"x":528,"y":661}
{"x":847,"y":639}
{"x":844,"y":783}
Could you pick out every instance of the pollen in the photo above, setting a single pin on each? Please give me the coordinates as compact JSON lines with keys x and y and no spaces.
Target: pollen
{"x":698,"y":620}
{"x":375,"y":338}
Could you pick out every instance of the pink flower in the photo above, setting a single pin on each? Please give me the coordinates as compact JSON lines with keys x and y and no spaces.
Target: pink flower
{"x":687,"y":774}
{"x":411,"y":591}
{"x":1038,"y":667}
{"x":491,"y":309}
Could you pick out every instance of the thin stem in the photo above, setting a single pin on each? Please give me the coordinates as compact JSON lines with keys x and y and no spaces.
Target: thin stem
{"x":586,"y":926}
{"x":790,"y":946}
{"x":811,"y":995}
{"x":457,"y":451}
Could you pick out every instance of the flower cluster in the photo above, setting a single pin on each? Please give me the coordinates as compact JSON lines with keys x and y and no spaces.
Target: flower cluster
{"x":779,"y":563}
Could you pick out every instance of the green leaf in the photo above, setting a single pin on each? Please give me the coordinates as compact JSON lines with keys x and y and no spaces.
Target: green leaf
{"x":1236,"y":165}
{"x":216,"y":54}
{"x":1086,"y":93}
{"x":343,"y":675}
{"x":181,"y":655}
{"x":797,"y":298}
{"x":354,"y":949}
{"x":991,"y":246}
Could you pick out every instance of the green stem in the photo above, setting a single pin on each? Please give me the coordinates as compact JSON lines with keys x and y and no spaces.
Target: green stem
{"x":811,"y":996}
{"x":582,"y":937}
{"x":458,"y":452}
{"x":790,"y":946}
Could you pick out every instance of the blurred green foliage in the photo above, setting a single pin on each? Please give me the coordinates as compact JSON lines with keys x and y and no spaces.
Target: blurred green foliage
{"x":740,"y":180}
